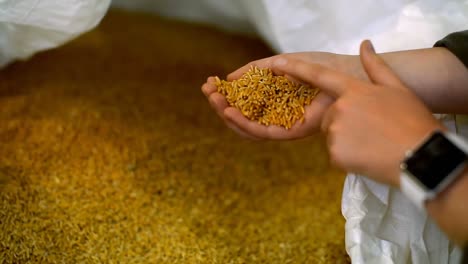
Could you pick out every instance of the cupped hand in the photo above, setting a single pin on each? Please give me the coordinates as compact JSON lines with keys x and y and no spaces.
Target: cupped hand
{"x":313,"y":112}
{"x":370,"y":125}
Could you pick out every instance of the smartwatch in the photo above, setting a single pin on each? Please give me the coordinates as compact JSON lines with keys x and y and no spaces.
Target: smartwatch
{"x":432,"y":166}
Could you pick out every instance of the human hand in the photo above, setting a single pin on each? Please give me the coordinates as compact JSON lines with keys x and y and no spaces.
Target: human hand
{"x":370,"y":125}
{"x":313,"y":113}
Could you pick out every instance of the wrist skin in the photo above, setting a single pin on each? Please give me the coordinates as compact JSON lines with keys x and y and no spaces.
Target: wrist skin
{"x":449,"y":208}
{"x":437,"y":76}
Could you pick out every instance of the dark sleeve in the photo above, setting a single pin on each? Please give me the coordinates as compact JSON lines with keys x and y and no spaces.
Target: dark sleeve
{"x":465,"y":255}
{"x":457,"y":43}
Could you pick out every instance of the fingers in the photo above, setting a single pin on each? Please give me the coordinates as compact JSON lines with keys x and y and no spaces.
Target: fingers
{"x":327,"y":120}
{"x":291,"y":78}
{"x":240,"y":131}
{"x":234,"y":116}
{"x":376,"y":68}
{"x":263,"y":63}
{"x":254,"y":128}
{"x":219,"y":103}
{"x":209,"y":87}
{"x":329,"y":81}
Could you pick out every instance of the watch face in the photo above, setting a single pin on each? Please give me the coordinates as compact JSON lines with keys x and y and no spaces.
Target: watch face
{"x":435,"y":161}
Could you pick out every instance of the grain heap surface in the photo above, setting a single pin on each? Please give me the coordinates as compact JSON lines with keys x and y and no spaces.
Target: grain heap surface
{"x":271,"y":100}
{"x":109,"y":153}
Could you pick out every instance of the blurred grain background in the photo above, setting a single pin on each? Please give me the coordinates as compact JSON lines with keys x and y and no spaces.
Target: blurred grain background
{"x":109,"y":153}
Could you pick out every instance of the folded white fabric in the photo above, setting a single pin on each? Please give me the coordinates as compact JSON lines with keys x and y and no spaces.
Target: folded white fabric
{"x":29,"y":26}
{"x":333,"y":26}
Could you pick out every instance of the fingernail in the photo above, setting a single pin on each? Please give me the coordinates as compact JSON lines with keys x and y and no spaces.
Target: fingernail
{"x":370,"y":47}
{"x":280,"y":62}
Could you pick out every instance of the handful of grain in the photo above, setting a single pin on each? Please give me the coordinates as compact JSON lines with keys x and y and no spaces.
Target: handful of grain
{"x":266,"y":98}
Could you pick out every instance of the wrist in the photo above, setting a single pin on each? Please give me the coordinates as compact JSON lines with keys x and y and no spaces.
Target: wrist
{"x":434,"y":176}
{"x":449,"y":209}
{"x":351,"y":64}
{"x":430,"y":73}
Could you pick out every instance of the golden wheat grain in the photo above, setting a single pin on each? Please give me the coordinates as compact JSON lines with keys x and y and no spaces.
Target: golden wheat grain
{"x":269,"y":99}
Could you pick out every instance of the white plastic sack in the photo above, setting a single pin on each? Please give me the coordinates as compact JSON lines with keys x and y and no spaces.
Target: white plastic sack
{"x":333,"y":25}
{"x":30,"y":26}
{"x":382,"y":225}
{"x":226,"y":14}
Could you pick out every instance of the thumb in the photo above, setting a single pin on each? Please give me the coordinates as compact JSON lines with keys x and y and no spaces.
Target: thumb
{"x":376,"y":68}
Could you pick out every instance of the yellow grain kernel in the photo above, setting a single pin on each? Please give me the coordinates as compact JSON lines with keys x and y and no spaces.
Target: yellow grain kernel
{"x":268,"y":99}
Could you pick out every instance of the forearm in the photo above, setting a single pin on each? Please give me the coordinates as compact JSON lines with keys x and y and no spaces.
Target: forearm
{"x":437,"y":76}
{"x":434,"y":74}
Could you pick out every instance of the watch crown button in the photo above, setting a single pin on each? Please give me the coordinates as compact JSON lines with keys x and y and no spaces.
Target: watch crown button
{"x":409,"y":153}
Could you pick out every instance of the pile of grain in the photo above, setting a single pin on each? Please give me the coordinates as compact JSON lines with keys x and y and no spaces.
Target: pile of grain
{"x":108,"y":154}
{"x":271,"y":100}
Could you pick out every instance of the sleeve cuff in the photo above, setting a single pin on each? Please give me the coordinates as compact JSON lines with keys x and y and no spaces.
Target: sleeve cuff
{"x":457,"y":43}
